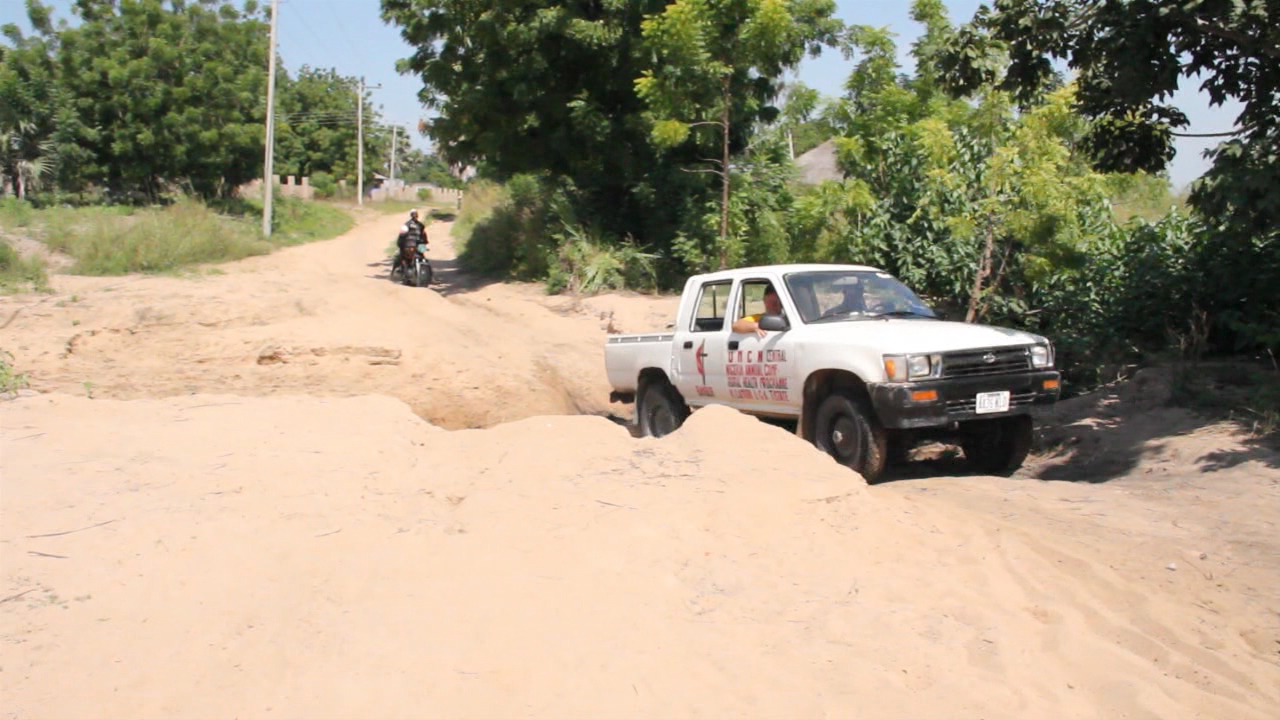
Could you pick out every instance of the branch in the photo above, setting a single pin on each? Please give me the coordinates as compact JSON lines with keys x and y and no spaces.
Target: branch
{"x":713,"y":172}
{"x":1244,"y":41}
{"x":1233,"y":133}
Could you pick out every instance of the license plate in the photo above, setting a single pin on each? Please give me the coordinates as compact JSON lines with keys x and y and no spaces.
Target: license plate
{"x":992,"y":402}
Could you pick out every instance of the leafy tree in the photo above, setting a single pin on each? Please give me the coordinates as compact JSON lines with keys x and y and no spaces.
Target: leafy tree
{"x":172,"y":94}
{"x":973,"y":203}
{"x":40,"y":130}
{"x":422,"y":167}
{"x":1129,"y":56}
{"x":717,"y":65}
{"x":546,"y":89}
{"x":316,"y":123}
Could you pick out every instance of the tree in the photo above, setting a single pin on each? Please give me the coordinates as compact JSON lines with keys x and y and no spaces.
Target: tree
{"x":545,"y":88}
{"x":41,"y":132}
{"x":717,"y":63}
{"x":975,"y":204}
{"x":174,"y":95}
{"x":317,"y":125}
{"x":1128,"y":58}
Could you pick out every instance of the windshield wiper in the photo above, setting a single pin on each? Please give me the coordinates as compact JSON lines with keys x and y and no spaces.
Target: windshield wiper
{"x":904,"y":314}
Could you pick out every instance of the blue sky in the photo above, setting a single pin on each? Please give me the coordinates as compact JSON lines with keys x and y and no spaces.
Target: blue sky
{"x":349,"y":36}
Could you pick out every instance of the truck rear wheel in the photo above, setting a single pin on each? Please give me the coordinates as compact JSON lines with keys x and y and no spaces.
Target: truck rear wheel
{"x":845,"y":430}
{"x":660,"y":410}
{"x":998,"y":447}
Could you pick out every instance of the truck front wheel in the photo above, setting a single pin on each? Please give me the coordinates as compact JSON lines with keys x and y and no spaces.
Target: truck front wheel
{"x":998,"y":447}
{"x":845,"y":430}
{"x":660,"y":410}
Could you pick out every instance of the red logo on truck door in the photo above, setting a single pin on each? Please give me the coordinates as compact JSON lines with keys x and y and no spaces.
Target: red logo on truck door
{"x":700,"y":357}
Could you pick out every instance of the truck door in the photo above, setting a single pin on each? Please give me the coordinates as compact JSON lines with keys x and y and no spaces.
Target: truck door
{"x":700,"y":346}
{"x":758,"y":370}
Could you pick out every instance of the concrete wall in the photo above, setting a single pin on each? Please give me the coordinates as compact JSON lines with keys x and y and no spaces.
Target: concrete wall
{"x":290,"y":186}
{"x":300,"y":187}
{"x":409,"y":192}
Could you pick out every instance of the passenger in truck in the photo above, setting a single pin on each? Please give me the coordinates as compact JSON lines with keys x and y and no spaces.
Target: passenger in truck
{"x":751,"y":323}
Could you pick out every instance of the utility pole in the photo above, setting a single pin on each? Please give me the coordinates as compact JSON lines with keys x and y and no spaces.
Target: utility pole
{"x":360,"y":140}
{"x":268,"y":172}
{"x":394,"y":134}
{"x":360,"y":143}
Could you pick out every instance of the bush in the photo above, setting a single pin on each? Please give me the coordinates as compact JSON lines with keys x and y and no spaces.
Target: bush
{"x":424,"y":194}
{"x":324,"y":184}
{"x":182,"y":234}
{"x":15,"y":213}
{"x":117,"y":240}
{"x":18,"y":273}
{"x":10,"y":380}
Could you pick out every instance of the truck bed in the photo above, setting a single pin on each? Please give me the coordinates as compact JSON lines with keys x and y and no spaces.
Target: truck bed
{"x":626,"y":356}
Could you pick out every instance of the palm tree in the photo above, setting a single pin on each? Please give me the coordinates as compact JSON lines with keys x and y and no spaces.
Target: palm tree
{"x":25,"y":158}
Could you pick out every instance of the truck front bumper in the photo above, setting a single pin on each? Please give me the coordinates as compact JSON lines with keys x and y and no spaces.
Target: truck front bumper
{"x":944,"y":401}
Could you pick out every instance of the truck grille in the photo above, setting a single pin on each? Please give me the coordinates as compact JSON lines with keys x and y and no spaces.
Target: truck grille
{"x":995,"y":361}
{"x":970,"y":403}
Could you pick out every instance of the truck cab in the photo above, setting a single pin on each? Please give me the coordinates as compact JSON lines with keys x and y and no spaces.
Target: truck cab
{"x":860,"y":363}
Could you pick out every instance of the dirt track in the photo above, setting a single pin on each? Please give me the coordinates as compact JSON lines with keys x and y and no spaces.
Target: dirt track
{"x":183,"y":545}
{"x":323,"y":320}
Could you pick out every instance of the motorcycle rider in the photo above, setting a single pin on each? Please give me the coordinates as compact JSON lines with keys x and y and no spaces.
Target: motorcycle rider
{"x":412,"y":233}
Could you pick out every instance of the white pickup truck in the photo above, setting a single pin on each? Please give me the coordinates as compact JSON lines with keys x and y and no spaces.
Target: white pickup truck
{"x":854,"y":357}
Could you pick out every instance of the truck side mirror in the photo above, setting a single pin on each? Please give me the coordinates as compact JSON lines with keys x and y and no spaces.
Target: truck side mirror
{"x":773,"y":323}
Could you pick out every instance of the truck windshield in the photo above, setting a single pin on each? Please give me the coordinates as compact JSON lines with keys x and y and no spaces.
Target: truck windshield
{"x":834,"y":295}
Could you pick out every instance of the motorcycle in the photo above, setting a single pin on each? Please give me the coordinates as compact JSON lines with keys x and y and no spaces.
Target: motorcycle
{"x":416,"y":271}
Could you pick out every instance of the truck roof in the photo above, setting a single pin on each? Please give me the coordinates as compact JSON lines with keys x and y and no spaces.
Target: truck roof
{"x":781,"y":270}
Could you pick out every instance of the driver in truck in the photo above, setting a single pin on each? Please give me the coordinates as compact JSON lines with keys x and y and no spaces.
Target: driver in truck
{"x":751,"y":323}
{"x":853,"y":302}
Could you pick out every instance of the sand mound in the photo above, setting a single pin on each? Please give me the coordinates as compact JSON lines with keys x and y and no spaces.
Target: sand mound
{"x":292,"y":557}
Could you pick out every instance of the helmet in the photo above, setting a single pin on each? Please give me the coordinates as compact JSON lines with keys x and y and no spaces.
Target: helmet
{"x":404,"y":228}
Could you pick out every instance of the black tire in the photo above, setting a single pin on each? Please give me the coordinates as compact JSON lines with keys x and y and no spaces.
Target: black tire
{"x":422,"y":277}
{"x":659,"y":409}
{"x":845,"y":429}
{"x":998,"y":447}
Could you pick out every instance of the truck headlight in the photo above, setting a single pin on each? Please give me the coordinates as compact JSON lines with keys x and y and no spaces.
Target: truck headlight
{"x":899,"y":368}
{"x":1042,"y":356}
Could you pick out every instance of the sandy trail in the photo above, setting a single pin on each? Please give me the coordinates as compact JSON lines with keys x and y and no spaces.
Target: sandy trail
{"x":323,"y":319}
{"x":251,"y":519}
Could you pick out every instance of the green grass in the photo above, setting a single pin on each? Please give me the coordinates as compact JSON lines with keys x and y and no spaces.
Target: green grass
{"x":116,"y":240}
{"x":15,"y":213}
{"x":11,"y":380}
{"x":18,"y":273}
{"x":1245,"y":393}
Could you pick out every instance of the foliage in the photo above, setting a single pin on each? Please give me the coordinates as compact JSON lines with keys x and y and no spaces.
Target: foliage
{"x":543,"y":87}
{"x":1247,"y":393}
{"x":15,"y":212}
{"x":324,"y":184}
{"x":165,"y":95}
{"x":10,"y":380}
{"x":151,"y":99}
{"x":1129,"y":57}
{"x":119,"y":240}
{"x":19,"y":273}
{"x":317,"y":123}
{"x":716,"y":66}
{"x":421,"y":167}
{"x":585,"y":262}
